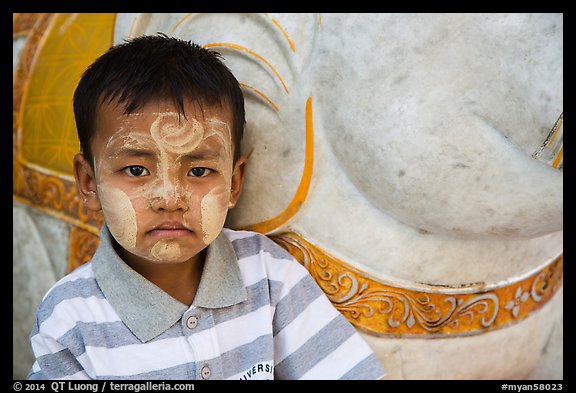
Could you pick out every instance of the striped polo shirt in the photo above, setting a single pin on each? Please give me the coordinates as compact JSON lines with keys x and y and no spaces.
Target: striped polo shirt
{"x":257,"y":314}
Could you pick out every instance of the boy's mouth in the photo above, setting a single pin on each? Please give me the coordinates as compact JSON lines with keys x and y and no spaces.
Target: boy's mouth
{"x":170,"y":229}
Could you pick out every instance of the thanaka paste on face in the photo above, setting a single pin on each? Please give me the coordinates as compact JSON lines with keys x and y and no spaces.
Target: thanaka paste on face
{"x":215,"y":204}
{"x":121,"y":217}
{"x":184,"y":139}
{"x":176,"y":136}
{"x":165,"y":250}
{"x":213,"y":215}
{"x":170,"y":139}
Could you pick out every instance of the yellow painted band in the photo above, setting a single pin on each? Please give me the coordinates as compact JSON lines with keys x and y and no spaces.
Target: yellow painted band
{"x":387,"y":308}
{"x":244,"y":49}
{"x":303,"y":188}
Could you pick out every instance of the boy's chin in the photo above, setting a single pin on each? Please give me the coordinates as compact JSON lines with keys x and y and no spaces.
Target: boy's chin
{"x":169,"y":260}
{"x":165,"y":254}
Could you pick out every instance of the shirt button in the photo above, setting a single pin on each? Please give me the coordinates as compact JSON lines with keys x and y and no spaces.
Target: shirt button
{"x":205,"y":372}
{"x":191,"y":322}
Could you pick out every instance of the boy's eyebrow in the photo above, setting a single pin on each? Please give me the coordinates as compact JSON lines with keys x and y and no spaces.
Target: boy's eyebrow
{"x":196,"y":155}
{"x":200,"y":155}
{"x":133,"y":151}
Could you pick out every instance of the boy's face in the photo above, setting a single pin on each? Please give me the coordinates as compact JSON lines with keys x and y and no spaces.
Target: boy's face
{"x":164,"y":182}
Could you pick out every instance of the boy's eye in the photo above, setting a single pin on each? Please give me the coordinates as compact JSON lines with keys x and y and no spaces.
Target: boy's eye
{"x":199,"y":172}
{"x":136,"y":171}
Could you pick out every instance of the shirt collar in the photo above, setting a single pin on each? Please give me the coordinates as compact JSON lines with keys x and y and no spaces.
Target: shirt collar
{"x":146,"y":309}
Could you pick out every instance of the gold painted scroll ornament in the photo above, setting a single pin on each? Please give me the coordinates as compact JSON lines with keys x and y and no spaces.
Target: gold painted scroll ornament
{"x":389,"y":309}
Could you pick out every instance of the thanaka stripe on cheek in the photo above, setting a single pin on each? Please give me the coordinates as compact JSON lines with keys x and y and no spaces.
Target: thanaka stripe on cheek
{"x":120,"y":215}
{"x":214,"y":208}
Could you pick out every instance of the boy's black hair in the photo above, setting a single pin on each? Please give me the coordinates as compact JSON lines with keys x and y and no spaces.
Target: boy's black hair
{"x":154,"y":67}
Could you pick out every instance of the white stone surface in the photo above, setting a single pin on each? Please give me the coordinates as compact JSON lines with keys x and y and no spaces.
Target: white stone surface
{"x":507,"y":353}
{"x":40,"y":258}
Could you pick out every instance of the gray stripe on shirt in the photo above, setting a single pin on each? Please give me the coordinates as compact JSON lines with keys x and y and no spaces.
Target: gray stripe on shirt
{"x":292,"y":305}
{"x":80,"y":288}
{"x":253,"y":245}
{"x":245,"y":356}
{"x":366,"y":369}
{"x":315,"y":349}
{"x":58,"y":365}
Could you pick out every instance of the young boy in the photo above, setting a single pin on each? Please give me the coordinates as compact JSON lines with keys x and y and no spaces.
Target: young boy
{"x":170,"y":293}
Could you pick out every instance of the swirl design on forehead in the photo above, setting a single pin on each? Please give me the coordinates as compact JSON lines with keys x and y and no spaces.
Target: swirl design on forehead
{"x":181,"y":137}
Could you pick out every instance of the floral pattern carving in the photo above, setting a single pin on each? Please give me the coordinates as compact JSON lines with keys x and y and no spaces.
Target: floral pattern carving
{"x":387,"y":308}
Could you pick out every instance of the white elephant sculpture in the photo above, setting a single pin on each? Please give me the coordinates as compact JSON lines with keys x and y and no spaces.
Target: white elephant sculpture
{"x":413,"y":163}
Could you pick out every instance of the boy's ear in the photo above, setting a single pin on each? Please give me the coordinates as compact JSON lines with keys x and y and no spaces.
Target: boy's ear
{"x":86,"y":182}
{"x":237,"y":180}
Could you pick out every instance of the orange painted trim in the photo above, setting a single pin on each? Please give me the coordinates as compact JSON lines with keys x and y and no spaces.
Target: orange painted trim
{"x":286,"y":37}
{"x":262,"y":95}
{"x":180,"y":22}
{"x":551,"y":151}
{"x":557,"y":127}
{"x":559,"y":158}
{"x":244,"y":49}
{"x":387,"y":308}
{"x":303,"y":188}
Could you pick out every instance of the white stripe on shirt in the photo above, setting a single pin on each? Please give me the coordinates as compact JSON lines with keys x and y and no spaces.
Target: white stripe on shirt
{"x":137,"y":358}
{"x":338,"y":362}
{"x":302,"y":328}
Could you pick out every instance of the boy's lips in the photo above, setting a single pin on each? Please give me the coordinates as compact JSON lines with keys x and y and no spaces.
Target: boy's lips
{"x":170,"y":229}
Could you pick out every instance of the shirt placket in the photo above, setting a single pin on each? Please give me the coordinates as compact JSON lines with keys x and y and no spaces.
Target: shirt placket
{"x":198,"y":326}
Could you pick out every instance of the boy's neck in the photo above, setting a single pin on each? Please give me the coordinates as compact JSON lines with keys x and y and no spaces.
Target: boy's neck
{"x":179,"y":280}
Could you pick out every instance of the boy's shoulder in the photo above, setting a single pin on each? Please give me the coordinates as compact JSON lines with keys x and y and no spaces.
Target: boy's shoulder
{"x":74,"y":278}
{"x":249,"y":243}
{"x":77,"y":285}
{"x":260,"y":256}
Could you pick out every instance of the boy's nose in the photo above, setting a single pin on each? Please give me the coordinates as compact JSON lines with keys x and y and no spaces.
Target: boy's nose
{"x":170,"y":200}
